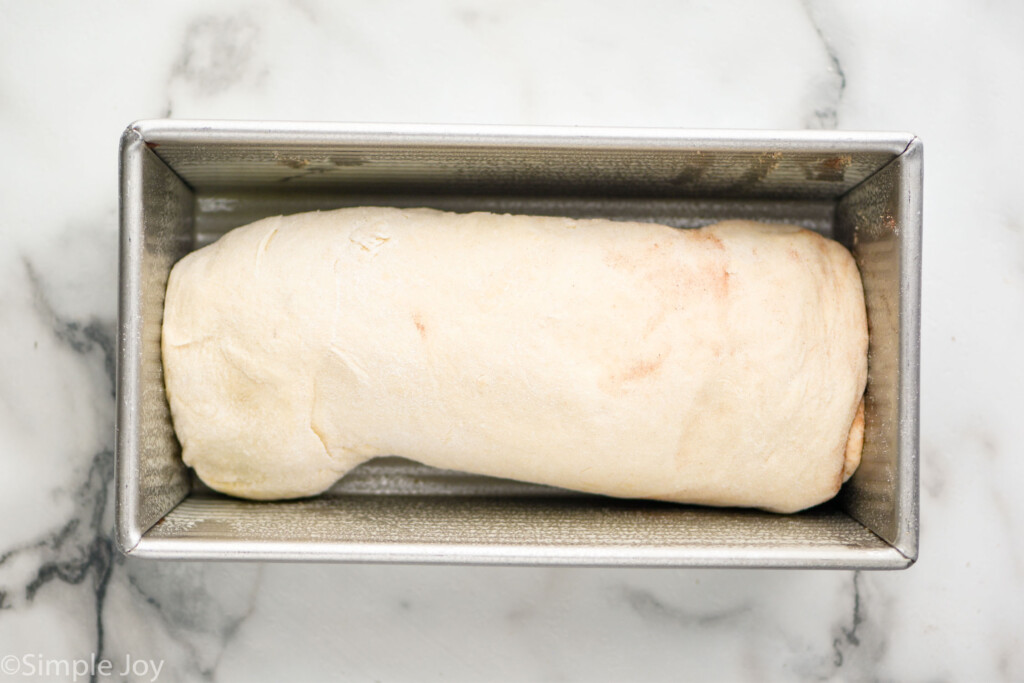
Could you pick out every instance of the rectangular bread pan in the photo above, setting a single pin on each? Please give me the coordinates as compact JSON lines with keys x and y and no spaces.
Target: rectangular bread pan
{"x":184,"y":183}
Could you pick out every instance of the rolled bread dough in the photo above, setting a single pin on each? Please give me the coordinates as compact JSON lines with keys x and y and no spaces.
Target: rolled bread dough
{"x":719,"y":366}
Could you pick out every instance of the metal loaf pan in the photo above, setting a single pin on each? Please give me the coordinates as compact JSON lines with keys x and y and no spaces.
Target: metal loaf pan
{"x":183,"y":183}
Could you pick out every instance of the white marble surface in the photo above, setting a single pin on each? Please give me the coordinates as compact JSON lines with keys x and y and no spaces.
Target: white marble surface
{"x":72,"y":75}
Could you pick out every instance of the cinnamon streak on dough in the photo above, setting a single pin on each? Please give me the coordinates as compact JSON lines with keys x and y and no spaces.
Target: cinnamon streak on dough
{"x":719,"y":366}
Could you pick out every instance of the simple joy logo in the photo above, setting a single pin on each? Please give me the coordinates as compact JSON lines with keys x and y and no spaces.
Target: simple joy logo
{"x":36,"y":665}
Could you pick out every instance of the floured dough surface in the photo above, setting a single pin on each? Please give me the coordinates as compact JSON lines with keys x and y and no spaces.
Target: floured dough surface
{"x":720,"y":366}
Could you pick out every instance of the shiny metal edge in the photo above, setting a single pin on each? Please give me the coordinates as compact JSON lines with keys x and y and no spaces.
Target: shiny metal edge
{"x":126,"y":428}
{"x":149,"y":480}
{"x":172,"y":131}
{"x":911,"y":208}
{"x":884,"y":492}
{"x":596,"y":556}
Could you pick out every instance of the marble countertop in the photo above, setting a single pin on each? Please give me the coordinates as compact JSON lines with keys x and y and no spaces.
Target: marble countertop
{"x":72,"y":75}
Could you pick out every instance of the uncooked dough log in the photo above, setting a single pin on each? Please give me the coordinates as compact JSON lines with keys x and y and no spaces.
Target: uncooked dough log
{"x":722,"y":366}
